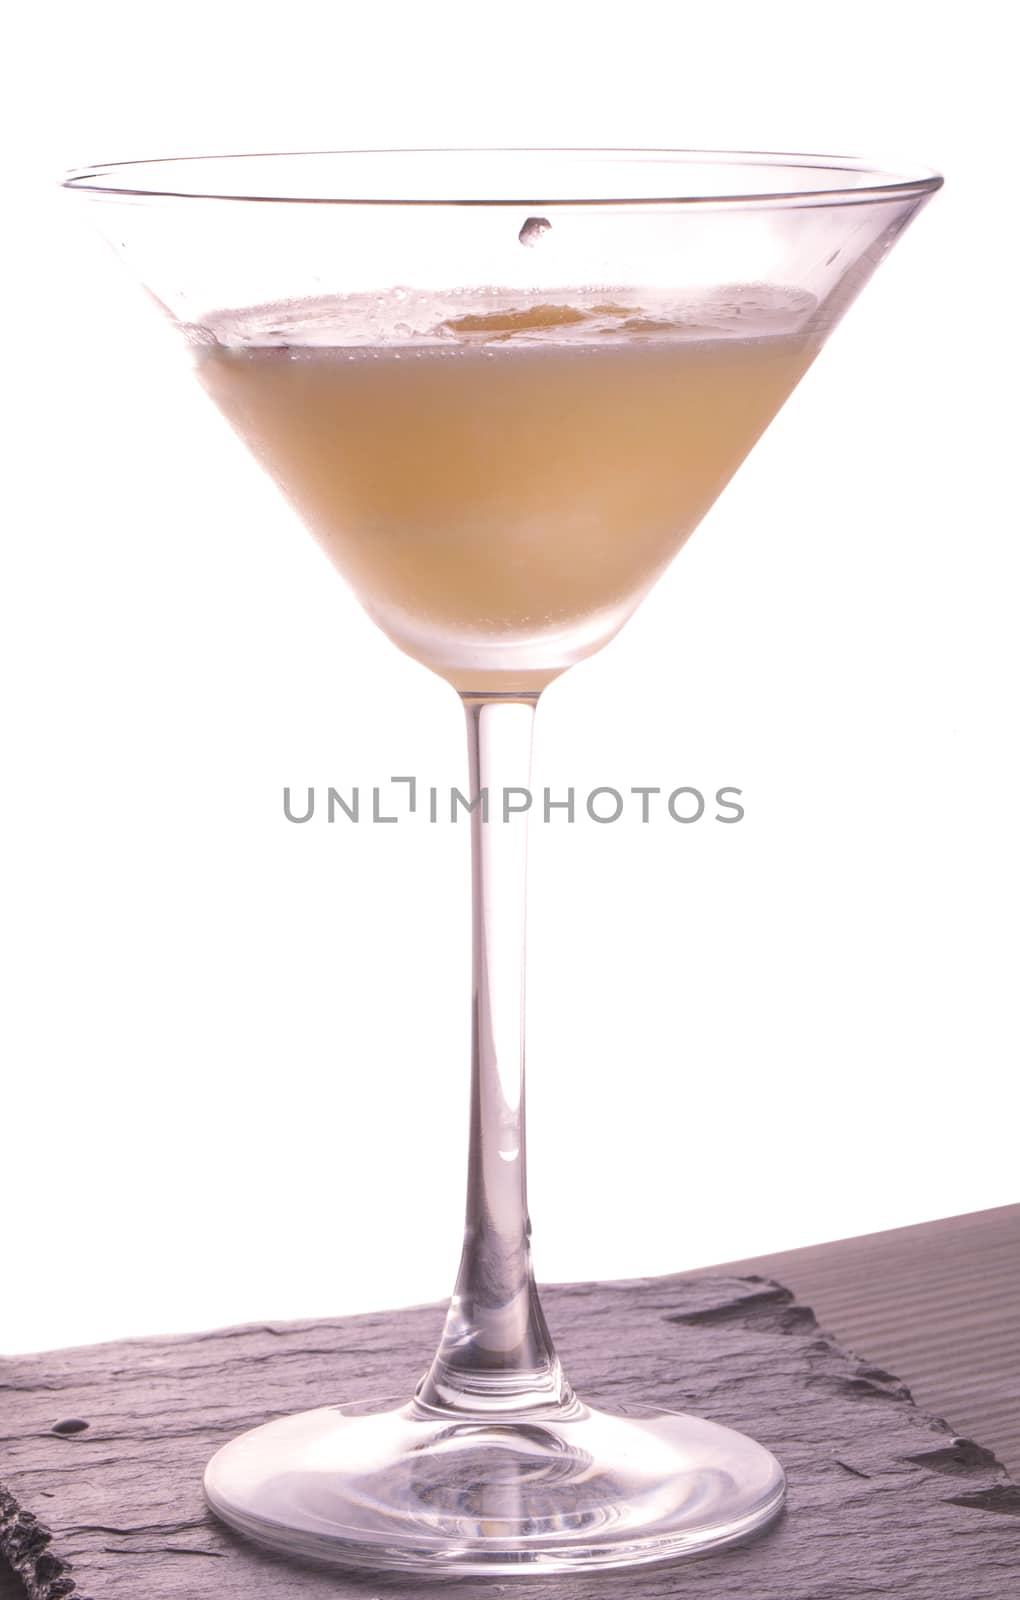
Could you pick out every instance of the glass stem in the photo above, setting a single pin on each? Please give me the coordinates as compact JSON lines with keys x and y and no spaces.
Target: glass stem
{"x":496,"y":1355}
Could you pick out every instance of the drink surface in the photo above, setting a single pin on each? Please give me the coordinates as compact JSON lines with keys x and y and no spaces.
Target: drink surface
{"x":501,"y":478}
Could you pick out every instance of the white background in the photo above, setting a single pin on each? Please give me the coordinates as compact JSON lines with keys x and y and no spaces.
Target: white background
{"x":234,"y":1069}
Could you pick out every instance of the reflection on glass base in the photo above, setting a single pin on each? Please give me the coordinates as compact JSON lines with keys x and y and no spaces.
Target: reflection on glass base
{"x":369,"y":1486}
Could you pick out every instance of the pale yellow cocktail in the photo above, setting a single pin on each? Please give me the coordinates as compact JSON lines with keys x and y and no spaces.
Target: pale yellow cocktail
{"x":501,"y":490}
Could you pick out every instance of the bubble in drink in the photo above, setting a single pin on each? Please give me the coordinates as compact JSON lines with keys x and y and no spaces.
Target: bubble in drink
{"x":533,"y":230}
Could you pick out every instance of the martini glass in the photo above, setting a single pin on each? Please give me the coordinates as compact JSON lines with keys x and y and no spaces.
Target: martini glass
{"x":501,"y":388}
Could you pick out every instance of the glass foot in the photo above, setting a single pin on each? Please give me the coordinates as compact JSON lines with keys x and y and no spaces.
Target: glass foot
{"x":406,"y":1488}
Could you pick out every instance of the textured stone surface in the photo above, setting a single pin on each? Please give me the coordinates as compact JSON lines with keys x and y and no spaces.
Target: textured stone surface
{"x":884,"y":1500}
{"x":937,"y":1303}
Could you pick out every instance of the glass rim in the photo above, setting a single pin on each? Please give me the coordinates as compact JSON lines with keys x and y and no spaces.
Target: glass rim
{"x":892,"y":180}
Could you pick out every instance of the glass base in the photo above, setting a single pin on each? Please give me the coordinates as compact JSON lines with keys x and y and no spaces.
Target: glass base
{"x":413,"y":1490}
